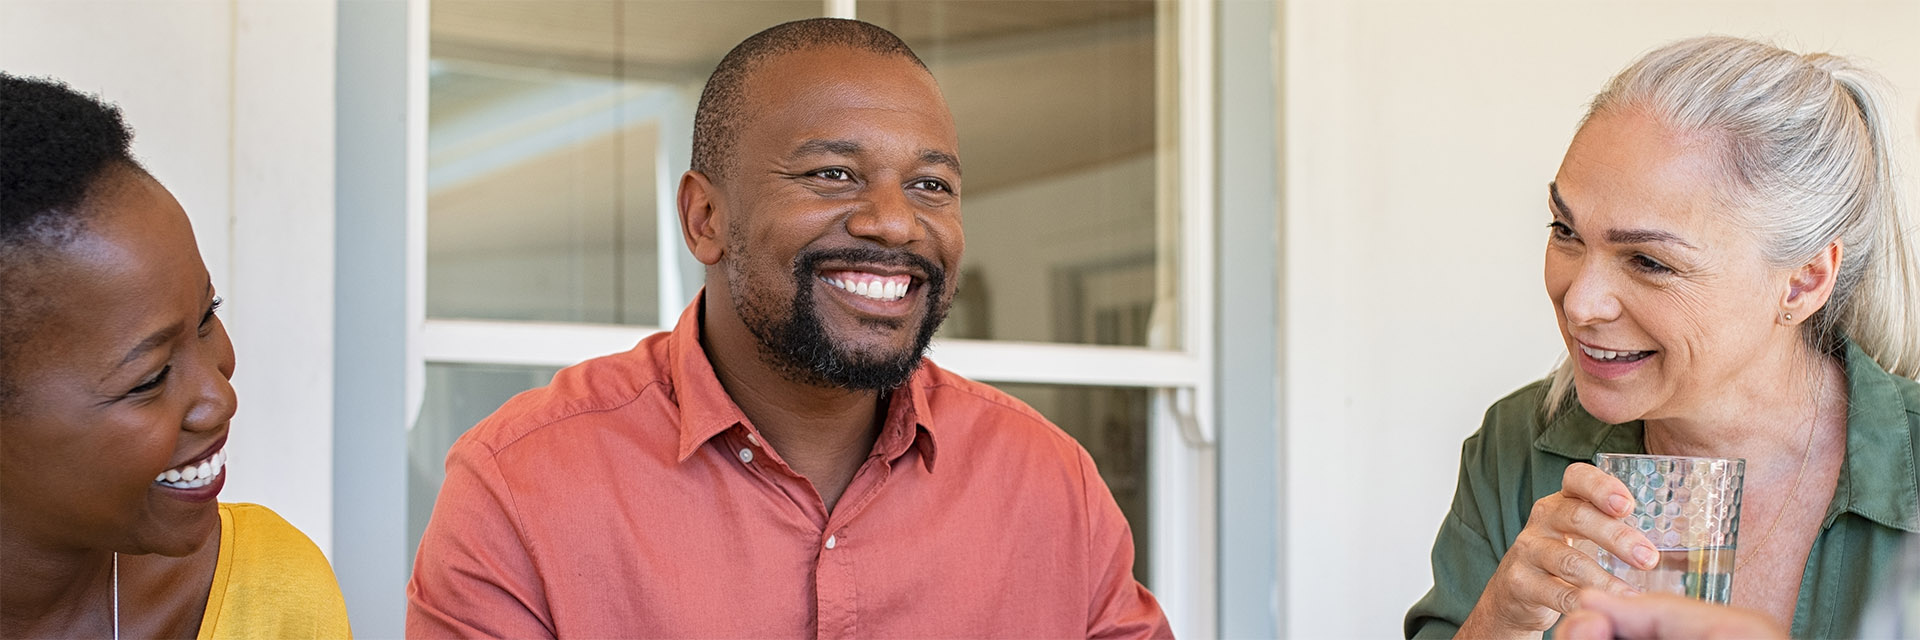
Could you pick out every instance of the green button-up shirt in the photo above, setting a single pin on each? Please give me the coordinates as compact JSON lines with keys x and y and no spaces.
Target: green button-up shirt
{"x":1517,"y":458}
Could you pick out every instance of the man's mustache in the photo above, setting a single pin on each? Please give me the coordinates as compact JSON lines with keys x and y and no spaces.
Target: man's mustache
{"x":805,"y":264}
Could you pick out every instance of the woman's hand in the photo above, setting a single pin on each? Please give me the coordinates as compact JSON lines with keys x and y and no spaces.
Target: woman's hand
{"x":1541,"y":575}
{"x":1660,"y":616}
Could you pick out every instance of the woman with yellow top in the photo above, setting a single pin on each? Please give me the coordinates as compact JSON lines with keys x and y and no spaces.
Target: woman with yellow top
{"x":114,"y":406}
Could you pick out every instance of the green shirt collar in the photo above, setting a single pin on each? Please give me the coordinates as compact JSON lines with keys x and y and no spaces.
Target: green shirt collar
{"x":1877,"y":481}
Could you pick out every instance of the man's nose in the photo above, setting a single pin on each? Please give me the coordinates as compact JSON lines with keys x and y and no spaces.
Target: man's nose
{"x":888,"y":216}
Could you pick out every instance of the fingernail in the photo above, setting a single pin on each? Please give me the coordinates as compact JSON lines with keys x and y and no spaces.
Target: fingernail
{"x":1646,"y":556}
{"x":1618,"y":505}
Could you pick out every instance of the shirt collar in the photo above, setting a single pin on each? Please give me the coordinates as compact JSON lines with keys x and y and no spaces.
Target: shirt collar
{"x":705,"y":408}
{"x":707,"y":411}
{"x":1576,"y":434}
{"x":1877,"y":482}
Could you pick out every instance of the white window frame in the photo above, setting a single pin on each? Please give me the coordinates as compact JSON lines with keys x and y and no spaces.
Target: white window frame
{"x":1182,"y":500}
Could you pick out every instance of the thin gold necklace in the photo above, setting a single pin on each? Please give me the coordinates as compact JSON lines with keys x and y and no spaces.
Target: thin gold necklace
{"x":1792,"y":494}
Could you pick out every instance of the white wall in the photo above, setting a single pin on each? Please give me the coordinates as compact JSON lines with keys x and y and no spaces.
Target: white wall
{"x":231,"y":104}
{"x":1419,"y":140}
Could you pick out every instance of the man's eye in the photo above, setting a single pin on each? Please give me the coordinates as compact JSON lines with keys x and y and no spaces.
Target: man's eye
{"x":932,"y":185}
{"x":835,"y":174}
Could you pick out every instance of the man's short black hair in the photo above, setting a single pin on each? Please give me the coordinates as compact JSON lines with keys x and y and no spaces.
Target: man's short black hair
{"x":55,"y":144}
{"x":717,"y":122}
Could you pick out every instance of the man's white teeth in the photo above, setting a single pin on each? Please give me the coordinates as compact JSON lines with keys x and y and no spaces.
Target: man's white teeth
{"x":874,"y":289}
{"x":195,"y":475}
{"x":1603,"y":354}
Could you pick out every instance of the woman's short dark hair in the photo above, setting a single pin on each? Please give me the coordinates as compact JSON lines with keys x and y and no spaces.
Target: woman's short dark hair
{"x":55,"y":144}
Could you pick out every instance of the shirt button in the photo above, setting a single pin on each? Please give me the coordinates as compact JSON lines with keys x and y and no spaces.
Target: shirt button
{"x":830,"y":541}
{"x":753,"y":439}
{"x":746,"y":455}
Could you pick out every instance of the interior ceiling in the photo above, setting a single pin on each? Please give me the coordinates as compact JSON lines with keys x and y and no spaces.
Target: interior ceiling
{"x":1036,"y":88}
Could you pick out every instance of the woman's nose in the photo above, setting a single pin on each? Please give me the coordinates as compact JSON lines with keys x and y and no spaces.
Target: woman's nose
{"x":1590,"y":298}
{"x":214,"y":402}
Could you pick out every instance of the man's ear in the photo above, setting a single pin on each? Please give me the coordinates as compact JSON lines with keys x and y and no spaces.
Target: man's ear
{"x":703,"y":221}
{"x":1811,"y":285}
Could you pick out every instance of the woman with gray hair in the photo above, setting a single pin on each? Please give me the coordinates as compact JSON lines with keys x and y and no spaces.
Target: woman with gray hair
{"x":1729,"y":263}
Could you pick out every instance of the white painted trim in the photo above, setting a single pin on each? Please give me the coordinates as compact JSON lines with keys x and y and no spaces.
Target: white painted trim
{"x":534,"y":344}
{"x":418,"y":59}
{"x":840,"y":8}
{"x":1197,"y":213}
{"x":1071,"y":364}
{"x":555,"y":344}
{"x":1182,"y":460}
{"x":281,"y":281}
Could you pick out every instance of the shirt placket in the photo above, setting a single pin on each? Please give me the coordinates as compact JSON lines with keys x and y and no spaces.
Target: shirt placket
{"x":837,"y":571}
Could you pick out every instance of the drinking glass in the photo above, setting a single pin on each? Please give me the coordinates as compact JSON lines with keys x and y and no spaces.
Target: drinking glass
{"x":1690,"y":509}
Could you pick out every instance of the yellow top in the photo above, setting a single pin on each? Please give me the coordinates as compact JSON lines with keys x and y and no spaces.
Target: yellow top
{"x":270,"y":581}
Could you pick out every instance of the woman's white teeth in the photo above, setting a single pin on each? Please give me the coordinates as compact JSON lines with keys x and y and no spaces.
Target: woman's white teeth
{"x":195,"y":475}
{"x":1603,"y":354}
{"x":874,"y":289}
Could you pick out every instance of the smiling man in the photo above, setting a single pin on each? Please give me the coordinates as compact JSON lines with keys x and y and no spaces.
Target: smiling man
{"x":784,"y":463}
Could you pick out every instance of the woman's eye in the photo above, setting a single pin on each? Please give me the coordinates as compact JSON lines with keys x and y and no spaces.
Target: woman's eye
{"x":1560,"y":231}
{"x":151,"y":383}
{"x":1649,"y":265}
{"x":211,"y":309}
{"x":833,"y":174}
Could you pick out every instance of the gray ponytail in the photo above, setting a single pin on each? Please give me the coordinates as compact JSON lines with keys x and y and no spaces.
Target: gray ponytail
{"x":1810,"y":150}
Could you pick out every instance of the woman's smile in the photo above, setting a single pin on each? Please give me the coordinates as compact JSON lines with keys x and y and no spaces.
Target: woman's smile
{"x":199,"y":479}
{"x":1610,"y":364}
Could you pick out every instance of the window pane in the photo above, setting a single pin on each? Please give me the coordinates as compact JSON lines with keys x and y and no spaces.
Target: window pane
{"x":557,"y":132}
{"x":457,"y":397}
{"x":1111,"y":422}
{"x":1067,"y":131}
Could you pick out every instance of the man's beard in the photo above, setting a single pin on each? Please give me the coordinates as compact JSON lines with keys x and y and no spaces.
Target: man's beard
{"x":797,"y":341}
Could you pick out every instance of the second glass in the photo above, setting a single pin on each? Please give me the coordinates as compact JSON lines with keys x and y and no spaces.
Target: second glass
{"x":1690,"y":509}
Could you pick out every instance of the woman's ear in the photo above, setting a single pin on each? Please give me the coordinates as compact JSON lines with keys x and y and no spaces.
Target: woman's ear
{"x":1811,"y":285}
{"x":703,"y":221}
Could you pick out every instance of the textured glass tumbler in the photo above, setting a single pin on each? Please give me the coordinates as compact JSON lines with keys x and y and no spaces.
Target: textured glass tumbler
{"x":1690,"y":509}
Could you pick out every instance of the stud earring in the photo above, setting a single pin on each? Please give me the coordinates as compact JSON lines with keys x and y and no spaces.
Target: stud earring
{"x":1789,"y":317}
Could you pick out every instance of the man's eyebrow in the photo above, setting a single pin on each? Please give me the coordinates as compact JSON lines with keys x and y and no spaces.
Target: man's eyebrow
{"x":835,"y":147}
{"x":1553,"y":189}
{"x":936,"y":156}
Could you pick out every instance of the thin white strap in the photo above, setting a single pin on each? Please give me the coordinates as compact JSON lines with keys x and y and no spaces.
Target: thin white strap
{"x":116,"y":595}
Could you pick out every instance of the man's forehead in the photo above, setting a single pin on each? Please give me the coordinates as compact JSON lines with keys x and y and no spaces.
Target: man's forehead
{"x":816,"y":68}
{"x":821,"y":84}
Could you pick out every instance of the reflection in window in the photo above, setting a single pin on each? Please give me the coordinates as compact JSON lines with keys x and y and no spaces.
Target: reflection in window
{"x":1064,"y":111}
{"x":557,"y":132}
